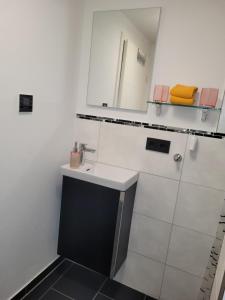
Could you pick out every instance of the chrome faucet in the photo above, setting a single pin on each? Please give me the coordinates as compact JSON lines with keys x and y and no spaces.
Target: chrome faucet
{"x":83,"y":148}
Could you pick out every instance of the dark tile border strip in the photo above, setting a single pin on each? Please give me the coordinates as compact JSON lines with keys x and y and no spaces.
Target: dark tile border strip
{"x":37,"y":279}
{"x":215,"y":135}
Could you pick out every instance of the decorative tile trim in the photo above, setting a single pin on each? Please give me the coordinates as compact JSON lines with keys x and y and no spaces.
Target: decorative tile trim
{"x":214,"y":135}
{"x":222,"y":290}
{"x":210,"y":273}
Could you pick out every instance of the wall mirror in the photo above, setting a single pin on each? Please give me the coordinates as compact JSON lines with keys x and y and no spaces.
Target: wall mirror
{"x":122,"y":58}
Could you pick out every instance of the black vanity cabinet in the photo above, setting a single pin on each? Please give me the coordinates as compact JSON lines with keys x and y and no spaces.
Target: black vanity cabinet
{"x":95,"y":224}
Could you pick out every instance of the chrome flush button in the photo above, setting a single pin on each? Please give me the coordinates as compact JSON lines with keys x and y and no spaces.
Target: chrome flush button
{"x":177,"y":157}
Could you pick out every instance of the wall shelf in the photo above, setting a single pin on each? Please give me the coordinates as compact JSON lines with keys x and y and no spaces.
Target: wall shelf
{"x":205,"y":109}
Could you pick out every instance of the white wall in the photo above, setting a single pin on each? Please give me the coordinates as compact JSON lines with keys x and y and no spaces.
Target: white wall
{"x":36,"y":57}
{"x":190,"y":50}
{"x":177,"y":205}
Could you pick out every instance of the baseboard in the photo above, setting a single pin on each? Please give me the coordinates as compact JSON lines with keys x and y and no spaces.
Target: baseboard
{"x":25,"y":290}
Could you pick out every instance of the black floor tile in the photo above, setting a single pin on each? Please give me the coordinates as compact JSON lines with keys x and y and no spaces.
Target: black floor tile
{"x":119,"y":291}
{"x":53,"y":295}
{"x":80,"y":283}
{"x":102,"y":297}
{"x":43,"y":274}
{"x":48,"y":282}
{"x":38,"y":279}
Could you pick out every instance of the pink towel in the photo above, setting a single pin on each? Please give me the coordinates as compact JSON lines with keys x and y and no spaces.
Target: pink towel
{"x":161,"y":93}
{"x":209,"y":97}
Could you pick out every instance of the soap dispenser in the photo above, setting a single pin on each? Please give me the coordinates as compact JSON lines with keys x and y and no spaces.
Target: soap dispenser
{"x":75,"y":157}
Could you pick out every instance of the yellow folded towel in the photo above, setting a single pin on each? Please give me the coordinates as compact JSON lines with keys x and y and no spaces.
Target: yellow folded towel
{"x":183,"y":91}
{"x":181,"y":101}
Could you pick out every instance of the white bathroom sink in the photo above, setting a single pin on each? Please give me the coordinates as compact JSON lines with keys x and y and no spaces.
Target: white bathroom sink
{"x":101,"y":174}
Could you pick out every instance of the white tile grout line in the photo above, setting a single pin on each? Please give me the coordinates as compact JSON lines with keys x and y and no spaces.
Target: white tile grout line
{"x":203,"y":186}
{"x":186,"y":272}
{"x":51,"y":286}
{"x":101,"y":286}
{"x":84,"y":267}
{"x":66,"y":296}
{"x":105,"y":296}
{"x":165,"y":264}
{"x":99,"y":293}
{"x":42,"y":279}
{"x":175,"y":225}
{"x":147,"y":257}
{"x":174,"y":212}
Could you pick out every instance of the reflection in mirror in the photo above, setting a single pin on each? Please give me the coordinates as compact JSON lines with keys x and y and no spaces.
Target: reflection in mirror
{"x":122,"y":58}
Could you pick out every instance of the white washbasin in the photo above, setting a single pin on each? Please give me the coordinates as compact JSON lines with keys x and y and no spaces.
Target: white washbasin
{"x":101,"y":174}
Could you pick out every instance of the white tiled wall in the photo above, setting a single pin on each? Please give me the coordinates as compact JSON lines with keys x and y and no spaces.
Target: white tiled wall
{"x":178,"y":285}
{"x":177,"y":205}
{"x":189,"y":250}
{"x":150,"y":237}
{"x":154,"y":201}
{"x":142,"y":273}
{"x":199,"y":208}
{"x":206,"y":166}
{"x":125,"y":146}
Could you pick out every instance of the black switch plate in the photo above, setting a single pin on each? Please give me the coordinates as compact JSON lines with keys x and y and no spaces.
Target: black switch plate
{"x":26,"y":103}
{"x":158,"y":145}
